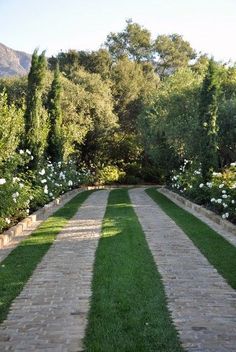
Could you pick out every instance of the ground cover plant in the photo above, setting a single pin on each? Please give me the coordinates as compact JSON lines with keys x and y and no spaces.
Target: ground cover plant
{"x":129,"y":308}
{"x":19,"y":265}
{"x":218,"y":251}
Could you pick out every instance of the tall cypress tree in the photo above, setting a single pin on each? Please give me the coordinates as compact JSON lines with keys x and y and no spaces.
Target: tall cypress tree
{"x":208,"y":121}
{"x":35,"y":115}
{"x":55,"y":142}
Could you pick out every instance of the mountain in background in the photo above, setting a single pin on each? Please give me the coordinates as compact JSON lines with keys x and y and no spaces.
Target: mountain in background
{"x":13,"y":62}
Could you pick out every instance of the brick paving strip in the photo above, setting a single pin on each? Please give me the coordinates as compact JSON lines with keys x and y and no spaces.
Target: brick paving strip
{"x":50,"y":313}
{"x":202,"y":304}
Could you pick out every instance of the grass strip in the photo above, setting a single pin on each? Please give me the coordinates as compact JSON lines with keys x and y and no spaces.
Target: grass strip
{"x":128,"y":309}
{"x":218,"y":251}
{"x":18,"y":266}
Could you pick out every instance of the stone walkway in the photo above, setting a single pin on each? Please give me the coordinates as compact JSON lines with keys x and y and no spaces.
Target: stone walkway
{"x":50,"y":313}
{"x":202,"y":304}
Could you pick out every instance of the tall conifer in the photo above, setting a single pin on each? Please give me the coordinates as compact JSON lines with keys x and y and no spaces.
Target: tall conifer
{"x":35,"y":115}
{"x":208,"y":121}
{"x":55,"y":142}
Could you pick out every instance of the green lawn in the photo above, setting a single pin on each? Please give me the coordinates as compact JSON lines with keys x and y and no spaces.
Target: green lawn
{"x":219,"y":252}
{"x":16,"y":269}
{"x":128,"y":309}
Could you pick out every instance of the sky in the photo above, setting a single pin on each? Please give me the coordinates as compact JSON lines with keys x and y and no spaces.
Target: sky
{"x":54,"y":25}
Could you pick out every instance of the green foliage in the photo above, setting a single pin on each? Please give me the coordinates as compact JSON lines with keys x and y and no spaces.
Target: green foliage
{"x":173,"y":53}
{"x":36,"y":117}
{"x":134,"y":42}
{"x":167,"y":126}
{"x":97,"y":107}
{"x":16,"y":90}
{"x":218,"y":194}
{"x":227,"y":131}
{"x":208,"y":128}
{"x":55,"y":139}
{"x":109,"y":174}
{"x":133,"y":84}
{"x":23,"y":190}
{"x":11,"y":128}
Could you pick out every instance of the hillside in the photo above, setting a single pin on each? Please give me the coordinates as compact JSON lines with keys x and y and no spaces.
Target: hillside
{"x":12,"y":62}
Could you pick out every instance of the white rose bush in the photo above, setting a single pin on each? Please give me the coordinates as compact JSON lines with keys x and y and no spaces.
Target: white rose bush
{"x":218,"y":195}
{"x":22,"y":190}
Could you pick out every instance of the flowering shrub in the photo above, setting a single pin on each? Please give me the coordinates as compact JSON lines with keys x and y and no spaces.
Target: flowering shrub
{"x":219,"y":195}
{"x":23,"y":190}
{"x":14,"y":190}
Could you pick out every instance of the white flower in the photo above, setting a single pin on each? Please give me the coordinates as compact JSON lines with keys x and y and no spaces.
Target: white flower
{"x":225,"y":205}
{"x":213,"y":200}
{"x":50,"y":194}
{"x":201,"y":185}
{"x":232,"y":201}
{"x":21,"y":185}
{"x":217,"y":174}
{"x":70,"y":183}
{"x":233,"y":164}
{"x":8,"y":221}
{"x":42,"y":172}
{"x":32,"y":158}
{"x":219,"y":200}
{"x":62,"y":176}
{"x":45,"y":189}
{"x":15,"y":195}
{"x":28,"y":151}
{"x":224,"y":196}
{"x":221,"y":185}
{"x":43,"y":181}
{"x":223,"y":191}
{"x":209,"y":184}
{"x":2,"y":181}
{"x":27,"y":211}
{"x":225,"y":216}
{"x":21,"y":151}
{"x":31,"y":197}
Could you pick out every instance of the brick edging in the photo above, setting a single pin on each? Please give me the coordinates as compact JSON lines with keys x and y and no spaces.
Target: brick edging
{"x":226,"y":225}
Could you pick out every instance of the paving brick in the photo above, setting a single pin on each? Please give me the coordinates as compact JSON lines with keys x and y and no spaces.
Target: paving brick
{"x":50,"y":314}
{"x":202,"y":304}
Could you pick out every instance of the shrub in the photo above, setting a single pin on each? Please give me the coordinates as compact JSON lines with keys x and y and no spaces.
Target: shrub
{"x":23,"y":191}
{"x":219,"y":194}
{"x":109,"y":174}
